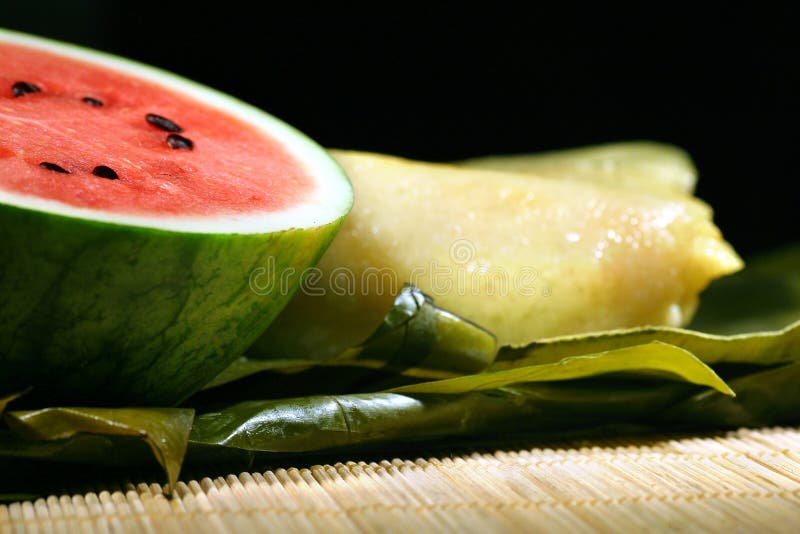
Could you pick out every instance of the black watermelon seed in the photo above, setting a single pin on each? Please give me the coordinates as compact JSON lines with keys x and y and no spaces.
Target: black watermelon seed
{"x":92,"y":101}
{"x":105,"y":172}
{"x":53,"y":167}
{"x":179,"y":142}
{"x":162,"y":122}
{"x":23,"y":88}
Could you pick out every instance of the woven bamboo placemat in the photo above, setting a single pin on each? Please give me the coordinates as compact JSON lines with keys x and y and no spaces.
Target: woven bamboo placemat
{"x":742,"y":481}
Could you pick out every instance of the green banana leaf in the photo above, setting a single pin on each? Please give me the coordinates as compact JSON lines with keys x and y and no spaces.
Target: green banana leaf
{"x":460,"y":407}
{"x":653,"y":357}
{"x":328,"y":423}
{"x":764,"y":296}
{"x":236,"y":435}
{"x":416,"y":333}
{"x":319,"y":423}
{"x":375,"y":421}
{"x":761,"y":348}
{"x":322,"y":423}
{"x":764,"y":397}
{"x":416,"y":339}
{"x":81,"y":434}
{"x":649,"y":358}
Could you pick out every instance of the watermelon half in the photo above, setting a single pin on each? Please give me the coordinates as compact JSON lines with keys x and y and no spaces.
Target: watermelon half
{"x":137,"y":210}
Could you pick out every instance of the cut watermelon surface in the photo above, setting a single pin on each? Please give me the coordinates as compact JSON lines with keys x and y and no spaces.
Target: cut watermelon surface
{"x":135,"y":207}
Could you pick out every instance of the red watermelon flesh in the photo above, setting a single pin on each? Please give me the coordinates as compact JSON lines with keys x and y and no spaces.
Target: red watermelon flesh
{"x":62,"y":114}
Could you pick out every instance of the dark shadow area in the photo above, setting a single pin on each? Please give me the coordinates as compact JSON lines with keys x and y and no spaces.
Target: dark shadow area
{"x":447,"y":88}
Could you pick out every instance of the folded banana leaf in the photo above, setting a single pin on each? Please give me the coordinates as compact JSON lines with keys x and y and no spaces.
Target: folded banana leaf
{"x":416,"y":339}
{"x":657,"y":358}
{"x":51,"y":432}
{"x":317,"y":423}
{"x":761,"y":348}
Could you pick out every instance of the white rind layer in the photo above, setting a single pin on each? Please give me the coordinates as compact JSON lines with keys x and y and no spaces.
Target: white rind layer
{"x":330,"y":199}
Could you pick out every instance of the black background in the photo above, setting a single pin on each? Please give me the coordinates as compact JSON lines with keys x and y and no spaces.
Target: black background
{"x":445,"y":87}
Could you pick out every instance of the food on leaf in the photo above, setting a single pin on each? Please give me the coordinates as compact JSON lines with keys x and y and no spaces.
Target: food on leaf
{"x":523,"y":257}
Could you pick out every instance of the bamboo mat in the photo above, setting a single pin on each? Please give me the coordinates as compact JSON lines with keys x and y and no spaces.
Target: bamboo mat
{"x":742,"y":481}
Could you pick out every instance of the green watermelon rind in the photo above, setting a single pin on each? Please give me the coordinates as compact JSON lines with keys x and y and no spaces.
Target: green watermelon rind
{"x":105,"y":310}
